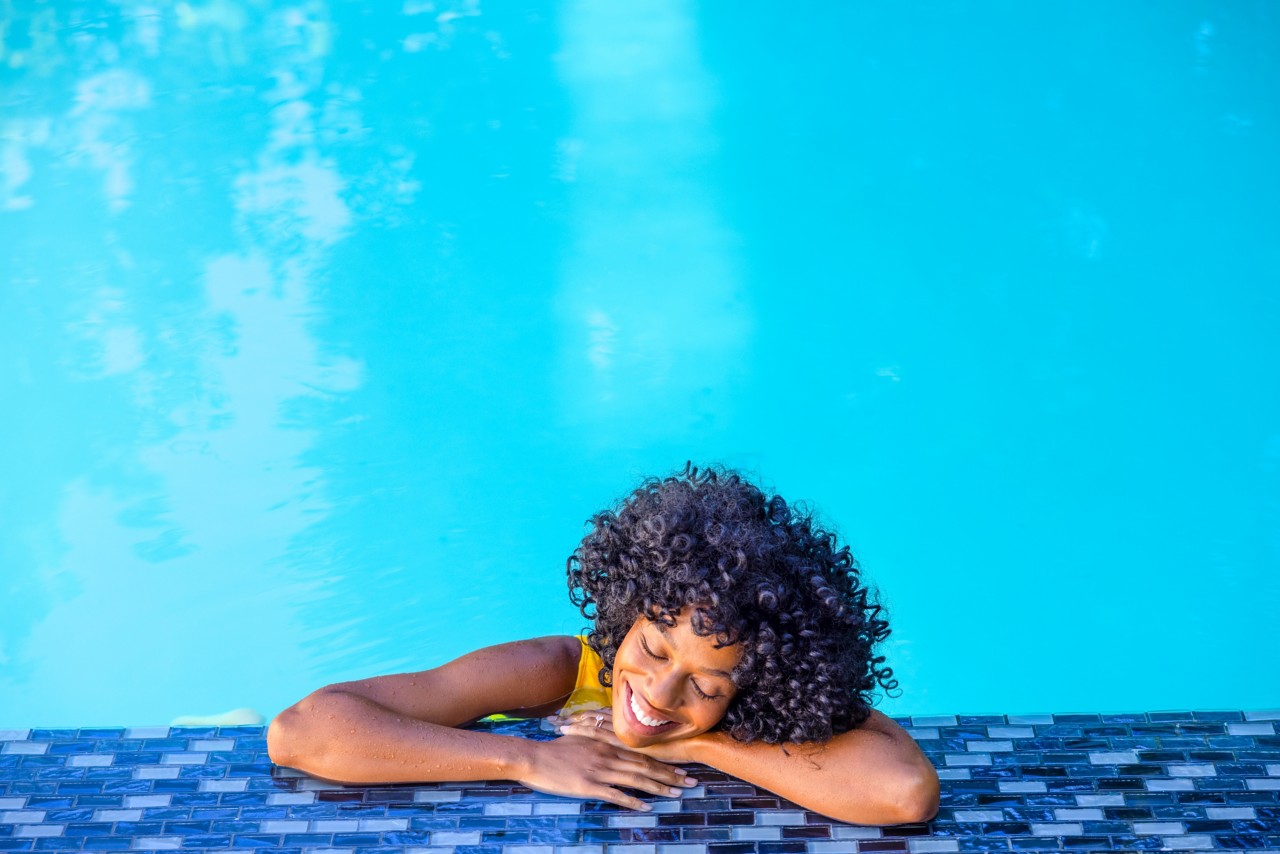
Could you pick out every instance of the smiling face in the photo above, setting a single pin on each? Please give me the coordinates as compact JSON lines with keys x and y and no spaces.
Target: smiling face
{"x":669,"y":683}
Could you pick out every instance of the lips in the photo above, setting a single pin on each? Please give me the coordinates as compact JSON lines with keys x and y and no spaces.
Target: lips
{"x":636,"y":724}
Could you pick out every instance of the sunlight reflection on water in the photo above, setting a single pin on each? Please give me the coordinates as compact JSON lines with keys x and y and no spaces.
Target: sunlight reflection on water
{"x":325,"y":327}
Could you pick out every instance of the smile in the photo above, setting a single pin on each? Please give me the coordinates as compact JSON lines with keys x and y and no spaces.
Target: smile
{"x":642,"y":722}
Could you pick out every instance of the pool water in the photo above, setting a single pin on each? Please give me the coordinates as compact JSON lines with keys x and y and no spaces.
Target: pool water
{"x":325,"y":326}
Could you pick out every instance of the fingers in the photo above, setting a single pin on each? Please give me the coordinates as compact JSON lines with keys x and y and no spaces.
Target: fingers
{"x":669,"y":774}
{"x":596,"y":724}
{"x":598,"y":718}
{"x":641,"y":782}
{"x":616,"y":796}
{"x":603,"y":733}
{"x":637,"y":771}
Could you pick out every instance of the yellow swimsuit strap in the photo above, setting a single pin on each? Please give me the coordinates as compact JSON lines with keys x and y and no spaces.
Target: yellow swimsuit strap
{"x":588,"y":693}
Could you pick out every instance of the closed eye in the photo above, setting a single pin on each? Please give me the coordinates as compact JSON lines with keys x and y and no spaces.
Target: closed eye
{"x":645,"y":646}
{"x":703,"y":694}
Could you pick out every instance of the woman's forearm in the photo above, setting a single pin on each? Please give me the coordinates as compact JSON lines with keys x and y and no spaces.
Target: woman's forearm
{"x":343,"y":737}
{"x":862,"y":777}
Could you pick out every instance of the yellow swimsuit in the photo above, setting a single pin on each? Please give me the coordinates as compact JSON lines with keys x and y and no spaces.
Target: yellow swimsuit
{"x":588,"y":693}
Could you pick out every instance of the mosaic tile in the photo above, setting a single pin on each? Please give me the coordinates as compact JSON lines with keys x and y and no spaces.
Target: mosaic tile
{"x":1195,"y":780}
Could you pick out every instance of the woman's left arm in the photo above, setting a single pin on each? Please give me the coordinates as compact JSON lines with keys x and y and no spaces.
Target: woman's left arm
{"x":875,"y":774}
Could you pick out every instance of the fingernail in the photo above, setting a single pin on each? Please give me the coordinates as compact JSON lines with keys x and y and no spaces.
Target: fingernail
{"x":673,"y":792}
{"x":689,"y":781}
{"x":646,"y":807}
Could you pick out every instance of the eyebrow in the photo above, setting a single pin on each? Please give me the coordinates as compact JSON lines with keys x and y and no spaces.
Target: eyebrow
{"x":710,"y":671}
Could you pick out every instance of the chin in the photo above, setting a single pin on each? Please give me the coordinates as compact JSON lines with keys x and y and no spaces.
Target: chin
{"x":630,"y":739}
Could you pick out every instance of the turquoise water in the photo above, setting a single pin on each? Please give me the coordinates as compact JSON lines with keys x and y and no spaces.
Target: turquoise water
{"x":324,"y":327}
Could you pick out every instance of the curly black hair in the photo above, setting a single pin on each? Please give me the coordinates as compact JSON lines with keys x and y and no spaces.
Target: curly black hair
{"x":757,"y":572}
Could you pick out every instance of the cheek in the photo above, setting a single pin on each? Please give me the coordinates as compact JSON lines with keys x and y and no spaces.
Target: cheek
{"x":709,"y":716}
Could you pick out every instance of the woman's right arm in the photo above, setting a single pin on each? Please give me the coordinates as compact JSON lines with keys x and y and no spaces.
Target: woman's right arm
{"x":402,"y":728}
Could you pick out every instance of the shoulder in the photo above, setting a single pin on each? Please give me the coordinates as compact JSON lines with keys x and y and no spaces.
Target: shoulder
{"x":536,"y":657}
{"x":519,"y":675}
{"x":557,"y":652}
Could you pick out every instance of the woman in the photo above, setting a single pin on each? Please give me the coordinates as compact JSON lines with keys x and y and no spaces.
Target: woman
{"x":728,"y":630}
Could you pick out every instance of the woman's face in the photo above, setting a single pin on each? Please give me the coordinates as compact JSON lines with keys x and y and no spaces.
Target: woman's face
{"x":669,"y":683}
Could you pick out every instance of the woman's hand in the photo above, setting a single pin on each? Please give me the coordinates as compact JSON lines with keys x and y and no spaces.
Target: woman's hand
{"x":598,"y":724}
{"x":584,"y":767}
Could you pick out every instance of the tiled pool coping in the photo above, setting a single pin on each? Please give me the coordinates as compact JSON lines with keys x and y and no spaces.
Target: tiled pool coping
{"x":1145,"y":781}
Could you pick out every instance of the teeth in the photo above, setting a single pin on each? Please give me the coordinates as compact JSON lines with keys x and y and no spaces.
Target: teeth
{"x":640,"y":716}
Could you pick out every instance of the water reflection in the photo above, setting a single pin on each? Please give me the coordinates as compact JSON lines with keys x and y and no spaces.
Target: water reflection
{"x":204,"y":478}
{"x":226,"y":497}
{"x":656,"y":326}
{"x":324,"y":326}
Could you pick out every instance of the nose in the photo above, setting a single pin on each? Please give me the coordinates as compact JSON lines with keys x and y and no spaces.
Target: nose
{"x":664,"y":689}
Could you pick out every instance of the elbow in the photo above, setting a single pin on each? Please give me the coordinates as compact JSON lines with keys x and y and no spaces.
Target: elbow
{"x":292,"y":738}
{"x":280,"y":738}
{"x":920,"y":795}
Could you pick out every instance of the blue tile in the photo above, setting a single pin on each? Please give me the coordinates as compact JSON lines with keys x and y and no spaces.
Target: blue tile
{"x":175,"y":787}
{"x":226,"y":826}
{"x":354,"y":840}
{"x":113,"y":787}
{"x":52,"y":735}
{"x":112,"y":843}
{"x":185,"y":828}
{"x":1138,"y":717}
{"x":582,"y":822}
{"x":57,"y":843}
{"x":165,"y":745}
{"x":1242,"y":841}
{"x":554,"y":836}
{"x":781,"y":847}
{"x":1128,"y":842}
{"x":108,"y":773}
{"x":101,"y":732}
{"x":1218,"y":716}
{"x":739,"y":848}
{"x":138,"y":828}
{"x":86,"y":829}
{"x":399,"y":837}
{"x":206,"y":842}
{"x":307,"y":840}
{"x":507,"y":837}
{"x":253,"y":840}
{"x":1057,"y":759}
